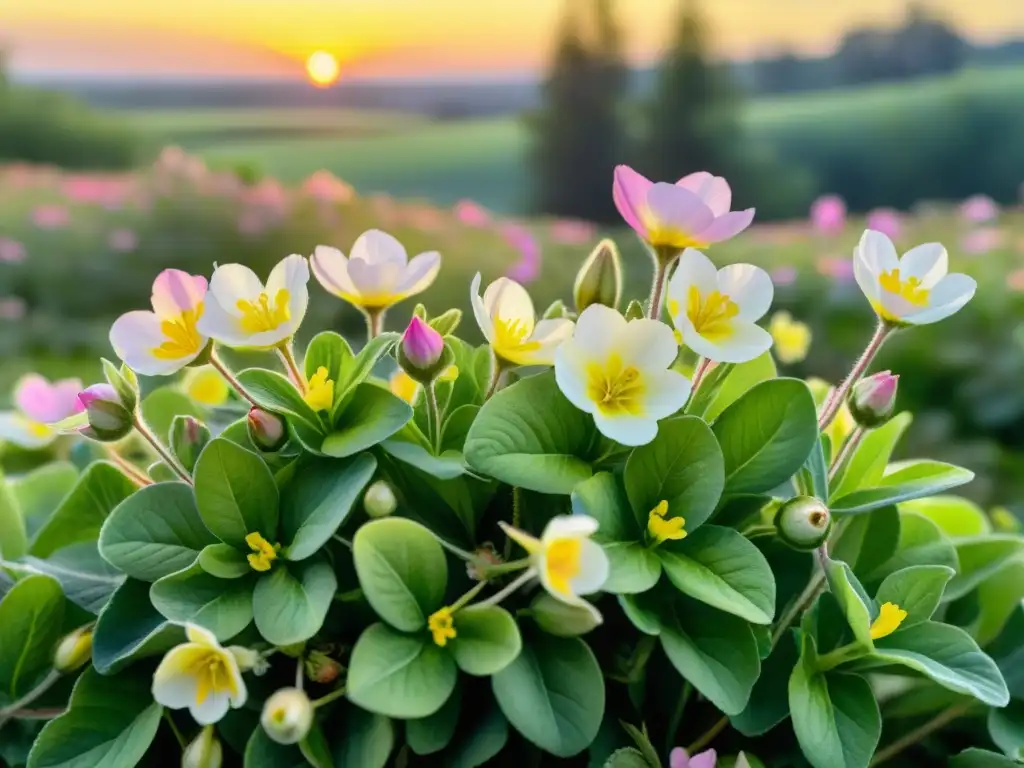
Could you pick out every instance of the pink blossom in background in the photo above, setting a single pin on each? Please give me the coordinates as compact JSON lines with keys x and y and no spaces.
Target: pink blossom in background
{"x":122,"y":241}
{"x":424,"y":217}
{"x":384,"y":208}
{"x":472,"y":214}
{"x":222,"y":184}
{"x":519,"y":237}
{"x":12,"y":308}
{"x":269,"y":194}
{"x":887,"y":221}
{"x":785,"y":233}
{"x":784,"y":275}
{"x":1015,"y":280}
{"x":251,"y":223}
{"x":39,"y":399}
{"x":49,"y":216}
{"x":326,"y":187}
{"x":110,"y":192}
{"x":572,"y":231}
{"x":828,"y":214}
{"x":840,"y":270}
{"x":978,"y":209}
{"x":11,"y":251}
{"x":982,"y":240}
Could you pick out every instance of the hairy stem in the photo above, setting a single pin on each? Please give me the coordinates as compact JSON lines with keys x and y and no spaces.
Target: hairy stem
{"x":217,"y":362}
{"x":497,"y":597}
{"x":174,"y":729}
{"x":846,"y":451}
{"x":128,"y":469}
{"x":661,"y":267}
{"x":433,"y":418}
{"x":162,"y":450}
{"x":287,"y":355}
{"x":497,"y":369}
{"x":374,"y":323}
{"x":337,"y":693}
{"x":838,"y":395}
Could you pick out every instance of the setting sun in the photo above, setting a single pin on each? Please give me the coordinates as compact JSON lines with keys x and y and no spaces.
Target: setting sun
{"x":322,"y":68}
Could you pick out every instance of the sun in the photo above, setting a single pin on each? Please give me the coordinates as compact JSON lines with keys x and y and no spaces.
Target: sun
{"x":322,"y":68}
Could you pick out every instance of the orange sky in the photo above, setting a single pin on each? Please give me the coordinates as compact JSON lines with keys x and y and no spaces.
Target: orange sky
{"x":401,"y":37}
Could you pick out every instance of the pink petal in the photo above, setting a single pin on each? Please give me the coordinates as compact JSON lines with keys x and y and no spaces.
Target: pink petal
{"x":34,"y":397}
{"x":677,"y":208}
{"x":713,"y":190}
{"x":726,"y":226}
{"x":175,"y":291}
{"x":678,"y":758}
{"x":704,"y":759}
{"x":629,"y":191}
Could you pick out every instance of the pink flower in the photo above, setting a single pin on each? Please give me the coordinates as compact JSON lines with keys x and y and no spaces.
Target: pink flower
{"x":12,"y":308}
{"x":978,"y":209}
{"x":251,"y":223}
{"x":693,"y":212}
{"x":421,"y":345}
{"x":679,"y":759}
{"x":873,"y":398}
{"x":11,"y":251}
{"x":982,"y":240}
{"x":785,"y":275}
{"x":267,"y":194}
{"x":122,"y":241}
{"x":528,"y":267}
{"x":95,"y":392}
{"x":472,"y":214}
{"x":50,"y":216}
{"x":1015,"y":280}
{"x":45,"y":402}
{"x":840,"y":270}
{"x":828,"y":214}
{"x":572,"y":231}
{"x":885,"y":220}
{"x":326,"y":187}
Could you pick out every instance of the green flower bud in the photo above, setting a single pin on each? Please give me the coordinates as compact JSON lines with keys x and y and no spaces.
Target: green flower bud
{"x":267,"y":430}
{"x":74,"y":651}
{"x":556,"y":311}
{"x":204,"y":752}
{"x":321,"y":668}
{"x":124,"y":381}
{"x":561,"y":619}
{"x":635,"y":310}
{"x":109,"y":420}
{"x":188,"y":437}
{"x":873,"y":399}
{"x":287,"y":716}
{"x":803,"y":522}
{"x":379,"y":500}
{"x":447,"y":322}
{"x":599,"y":280}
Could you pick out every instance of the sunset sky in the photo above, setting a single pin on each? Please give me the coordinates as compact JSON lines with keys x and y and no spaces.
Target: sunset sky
{"x":408,"y":37}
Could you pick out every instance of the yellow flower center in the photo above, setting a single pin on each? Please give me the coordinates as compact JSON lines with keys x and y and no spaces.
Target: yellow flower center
{"x":320,"y":393}
{"x":660,"y":235}
{"x":510,"y":338}
{"x":890,"y":616}
{"x":792,"y":338}
{"x":404,"y":386}
{"x":615,"y":388}
{"x":259,"y":316}
{"x":182,"y":338}
{"x":212,"y":674}
{"x":661,"y":528}
{"x":37,"y":428}
{"x":264,"y":554}
{"x":909,"y":289}
{"x":562,"y":561}
{"x":442,"y":626}
{"x":711,"y":316}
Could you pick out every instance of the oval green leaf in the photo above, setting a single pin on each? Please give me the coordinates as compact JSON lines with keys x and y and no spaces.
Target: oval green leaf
{"x":487,"y":640}
{"x":235,"y":493}
{"x":130,"y":628}
{"x":222,"y":606}
{"x":31,"y":616}
{"x":370,"y":415}
{"x":904,"y":481}
{"x":290,"y":603}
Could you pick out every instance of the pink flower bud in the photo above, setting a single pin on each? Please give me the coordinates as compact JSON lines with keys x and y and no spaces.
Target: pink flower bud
{"x":422,"y":346}
{"x":873,"y":399}
{"x":266,"y":430}
{"x":91,"y":394}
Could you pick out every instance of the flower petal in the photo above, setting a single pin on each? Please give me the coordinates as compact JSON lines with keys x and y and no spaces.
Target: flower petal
{"x":231,"y":283}
{"x":330,"y":267}
{"x":134,"y":336}
{"x":221,"y":325}
{"x":629,"y":191}
{"x":15,"y":428}
{"x":594,"y":569}
{"x":420,"y":273}
{"x":750,"y":287}
{"x":529,"y":543}
{"x":950,"y":294}
{"x":173,"y":685}
{"x":201,"y":636}
{"x":597,"y":331}
{"x":866,"y":279}
{"x":727,"y":225}
{"x":507,"y":300}
{"x":569,"y":527}
{"x":877,"y":253}
{"x":695,"y":269}
{"x":375,"y":247}
{"x":291,"y":274}
{"x":665,"y":392}
{"x":175,"y":292}
{"x":646,"y":344}
{"x":483,"y":317}
{"x":929,"y":263}
{"x":212,"y":708}
{"x":571,"y":374}
{"x":44,"y":402}
{"x":746,"y":342}
{"x":713,"y":190}
{"x":550,"y":335}
{"x":628,"y":430}
{"x":678,"y":209}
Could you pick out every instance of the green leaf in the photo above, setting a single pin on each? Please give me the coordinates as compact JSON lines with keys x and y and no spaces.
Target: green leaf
{"x":316,"y":503}
{"x":857,"y":607}
{"x":633,"y":568}
{"x":1006,"y":727}
{"x":444,"y":467}
{"x":154,"y":532}
{"x":947,"y":655}
{"x":224,"y":607}
{"x":263,"y":752}
{"x":130,"y":628}
{"x":361,"y":366}
{"x":766,"y":435}
{"x":980,"y":758}
{"x":402,"y":570}
{"x":733,"y":382}
{"x":904,"y":481}
{"x":161,"y":406}
{"x":487,"y":640}
{"x":917,"y":590}
{"x":553,"y":694}
{"x":291,"y":602}
{"x":835,"y":717}
{"x":642,"y":611}
{"x":769,"y":705}
{"x":30,"y":626}
{"x":456,"y":427}
{"x":87,"y":579}
{"x":110,"y":721}
{"x":399,"y":675}
{"x":980,"y":557}
{"x":371,"y":414}
{"x":13,"y":530}
{"x":627,"y":757}
{"x":683,"y":465}
{"x":956,"y":516}
{"x":235,"y":493}
{"x":484,"y":737}
{"x":812,"y":479}
{"x":427,"y":735}
{"x":559,"y":618}
{"x":866,"y":542}
{"x":529,"y":435}
{"x":716,"y":652}
{"x":223,"y":561}
{"x":365,"y":739}
{"x":315,"y":749}
{"x":41,"y":491}
{"x":920,"y":543}
{"x":867,"y":465}
{"x":82,"y":512}
{"x":721,"y":567}
{"x":328,"y":350}
{"x":277,"y":394}
{"x":998,"y":597}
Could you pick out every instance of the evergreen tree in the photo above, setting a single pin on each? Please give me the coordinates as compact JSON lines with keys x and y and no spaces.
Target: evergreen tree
{"x":578,"y":134}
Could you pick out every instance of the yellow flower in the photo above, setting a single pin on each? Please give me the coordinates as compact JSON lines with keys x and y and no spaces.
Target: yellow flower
{"x":1003,"y":520}
{"x":264,"y":553}
{"x":661,"y":528}
{"x":889,"y":619}
{"x":201,"y":675}
{"x":205,"y":385}
{"x":320,"y":392}
{"x":442,"y":626}
{"x":792,"y":338}
{"x":404,"y":386}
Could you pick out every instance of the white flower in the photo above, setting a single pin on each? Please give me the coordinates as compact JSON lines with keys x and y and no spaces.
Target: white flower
{"x":716,"y":311}
{"x":377,"y":273}
{"x":506,"y":317}
{"x":568,"y":563}
{"x":617,"y":370}
{"x":913,"y":290}
{"x":39,"y":405}
{"x":241,"y":313}
{"x":163,"y":341}
{"x":200,"y":675}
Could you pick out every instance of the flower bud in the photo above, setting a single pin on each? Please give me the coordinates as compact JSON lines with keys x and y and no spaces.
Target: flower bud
{"x":422,"y":352}
{"x":124,"y":381}
{"x":599,"y":280}
{"x":321,"y":668}
{"x":873,"y":399}
{"x":556,"y":311}
{"x":447,"y":322}
{"x":803,"y":522}
{"x":204,"y":752}
{"x":287,"y":716}
{"x":188,"y":437}
{"x":109,"y":420}
{"x":634,"y":310}
{"x":379,"y":500}
{"x":266,"y":430}
{"x":74,"y":651}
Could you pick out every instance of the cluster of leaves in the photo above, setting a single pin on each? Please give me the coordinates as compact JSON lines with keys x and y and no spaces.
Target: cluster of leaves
{"x":760,"y":631}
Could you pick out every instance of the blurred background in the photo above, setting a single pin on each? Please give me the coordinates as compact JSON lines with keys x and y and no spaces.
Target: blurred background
{"x":138,"y":136}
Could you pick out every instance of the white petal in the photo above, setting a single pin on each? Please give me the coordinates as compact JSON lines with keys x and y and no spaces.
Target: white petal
{"x":695,"y":269}
{"x":550,"y":334}
{"x":598,"y":329}
{"x":330,"y":267}
{"x":134,"y":336}
{"x":506,"y":299}
{"x":375,"y":247}
{"x":748,"y":286}
{"x":746,"y":342}
{"x":568,"y":527}
{"x":877,"y":252}
{"x":175,"y":692}
{"x":291,"y":274}
{"x":571,"y":375}
{"x":628,"y":430}
{"x":647,"y":344}
{"x":594,"y":569}
{"x":665,"y":392}
{"x":483,"y":319}
{"x":201,"y":636}
{"x":929,"y":263}
{"x":230,"y":284}
{"x":951,"y":293}
{"x":15,"y":428}
{"x":866,"y":279}
{"x":420,"y":273}
{"x":213,"y":708}
{"x":175,"y":291}
{"x":219,"y":324}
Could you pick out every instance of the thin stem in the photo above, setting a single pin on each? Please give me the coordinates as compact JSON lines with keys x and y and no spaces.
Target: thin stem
{"x":337,"y":693}
{"x":846,"y":452}
{"x":516,"y":503}
{"x":707,"y":737}
{"x":939,"y":721}
{"x":342,"y":540}
{"x":47,"y":682}
{"x":128,"y":469}
{"x":470,"y":594}
{"x":174,"y":729}
{"x":839,"y":656}
{"x":299,"y":677}
{"x":677,"y":716}
{"x":811,"y":591}
{"x":497,"y":597}
{"x":703,"y":366}
{"x":161,"y":449}
{"x":457,"y":551}
{"x":433,"y":417}
{"x":46,"y":713}
{"x":217,"y":362}
{"x":497,"y":369}
{"x":287,"y":355}
{"x":490,"y":571}
{"x":374,"y":323}
{"x":835,"y":400}
{"x":661,"y":266}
